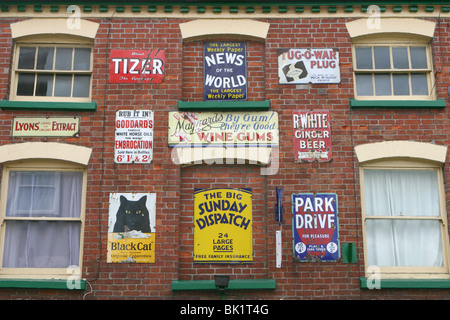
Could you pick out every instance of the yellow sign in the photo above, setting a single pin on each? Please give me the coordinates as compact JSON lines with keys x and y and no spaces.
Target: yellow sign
{"x":123,"y":247}
{"x":223,"y":225}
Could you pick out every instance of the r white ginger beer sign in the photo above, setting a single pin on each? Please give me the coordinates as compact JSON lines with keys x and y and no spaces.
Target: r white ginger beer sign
{"x":312,"y":135}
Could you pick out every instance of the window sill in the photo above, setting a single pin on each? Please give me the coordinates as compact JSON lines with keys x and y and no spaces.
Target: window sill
{"x":407,"y":283}
{"x":43,"y":284}
{"x":267,"y":284}
{"x":41,"y":105}
{"x":224,"y":105}
{"x":438,"y":104}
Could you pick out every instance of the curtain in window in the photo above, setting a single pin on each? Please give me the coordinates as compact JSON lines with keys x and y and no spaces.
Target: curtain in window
{"x":400,"y":242}
{"x":43,"y":243}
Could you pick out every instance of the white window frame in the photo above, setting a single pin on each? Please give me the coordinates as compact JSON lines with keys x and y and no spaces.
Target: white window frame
{"x":407,"y":155}
{"x":39,"y":165}
{"x":393,"y":41}
{"x":408,"y":272}
{"x":57,"y":33}
{"x":16,"y":71}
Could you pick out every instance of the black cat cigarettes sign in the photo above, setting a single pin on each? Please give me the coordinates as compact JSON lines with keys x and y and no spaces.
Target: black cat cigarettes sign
{"x":131,"y":232}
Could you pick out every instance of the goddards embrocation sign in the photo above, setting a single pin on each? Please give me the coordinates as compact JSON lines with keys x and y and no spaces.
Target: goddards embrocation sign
{"x":315,"y":227}
{"x":223,"y":225}
{"x":312,"y":135}
{"x":131,"y":231}
{"x":296,"y":66}
{"x":134,"y":136}
{"x":225,"y":75}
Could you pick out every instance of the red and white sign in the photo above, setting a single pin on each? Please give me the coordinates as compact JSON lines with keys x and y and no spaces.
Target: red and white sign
{"x":312,"y":135}
{"x":134,"y":136}
{"x":312,"y":65}
{"x":137,"y":66}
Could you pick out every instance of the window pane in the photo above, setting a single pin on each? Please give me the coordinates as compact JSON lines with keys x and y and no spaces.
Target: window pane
{"x":363,"y":57}
{"x":404,"y":243}
{"x":41,"y":244}
{"x":418,"y":58}
{"x":400,"y":58}
{"x":63,"y":85}
{"x":364,"y":85}
{"x":26,"y":58}
{"x":45,"y":59}
{"x":401,"y":84}
{"x":419,"y":84}
{"x":25,"y":86}
{"x":81,"y":86}
{"x":382,"y":57}
{"x":63,"y":59}
{"x":44,"y":85}
{"x":383,"y":84}
{"x":44,"y":193}
{"x":401,"y":193}
{"x":82,"y":59}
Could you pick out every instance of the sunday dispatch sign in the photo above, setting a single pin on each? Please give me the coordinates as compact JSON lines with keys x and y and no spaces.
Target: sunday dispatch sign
{"x":223,"y":226}
{"x":315,"y":227}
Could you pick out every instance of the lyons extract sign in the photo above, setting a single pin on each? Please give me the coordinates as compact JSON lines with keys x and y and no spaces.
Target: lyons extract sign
{"x":131,"y":231}
{"x":137,"y":66}
{"x":315,"y":227}
{"x":223,"y":225}
{"x":222,"y":129}
{"x":312,"y":135}
{"x":45,"y":127}
{"x":297,"y":66}
{"x":225,"y":75}
{"x":133,"y":136}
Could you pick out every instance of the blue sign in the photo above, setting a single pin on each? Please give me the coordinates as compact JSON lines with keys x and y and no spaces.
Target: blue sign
{"x":315,"y":227}
{"x":225,"y":75}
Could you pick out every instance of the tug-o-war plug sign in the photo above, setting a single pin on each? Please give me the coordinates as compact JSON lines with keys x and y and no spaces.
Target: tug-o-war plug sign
{"x":297,"y":66}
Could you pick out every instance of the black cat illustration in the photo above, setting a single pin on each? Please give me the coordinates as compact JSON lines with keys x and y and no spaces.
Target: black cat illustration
{"x":132,"y":215}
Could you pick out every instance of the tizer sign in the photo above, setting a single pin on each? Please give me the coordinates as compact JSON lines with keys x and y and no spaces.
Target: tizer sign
{"x":315,"y":224}
{"x":137,"y":66}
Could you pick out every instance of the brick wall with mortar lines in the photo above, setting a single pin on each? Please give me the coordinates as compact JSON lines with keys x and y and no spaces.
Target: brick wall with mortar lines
{"x":174,"y":185}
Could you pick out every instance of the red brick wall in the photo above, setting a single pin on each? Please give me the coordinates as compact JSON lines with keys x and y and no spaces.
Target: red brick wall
{"x":174,"y":185}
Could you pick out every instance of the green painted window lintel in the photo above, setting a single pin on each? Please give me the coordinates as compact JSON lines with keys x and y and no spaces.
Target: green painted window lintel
{"x":407,"y":283}
{"x":440,"y":103}
{"x":41,"y":105}
{"x":43,"y":284}
{"x":224,"y":105}
{"x":250,"y":284}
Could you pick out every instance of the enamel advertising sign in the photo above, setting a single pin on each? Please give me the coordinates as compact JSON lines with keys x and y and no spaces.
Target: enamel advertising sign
{"x":190,"y":129}
{"x":225,"y":75}
{"x":223,"y":226}
{"x":131,"y":230}
{"x":315,"y":224}
{"x":134,"y":136}
{"x":46,"y":127}
{"x":312,"y":135}
{"x":297,"y":66}
{"x":137,"y":66}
